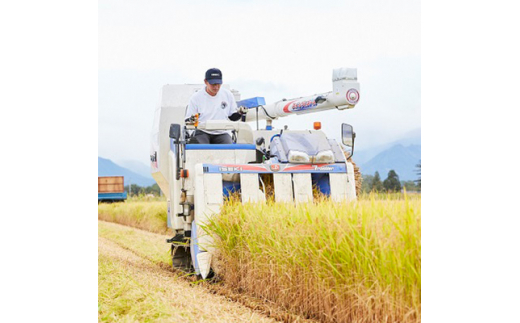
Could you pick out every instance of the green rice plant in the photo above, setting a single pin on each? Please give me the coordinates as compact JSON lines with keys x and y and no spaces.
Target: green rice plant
{"x":335,"y":262}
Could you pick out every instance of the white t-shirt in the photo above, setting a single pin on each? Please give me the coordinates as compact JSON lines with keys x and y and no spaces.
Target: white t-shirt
{"x":218,"y":107}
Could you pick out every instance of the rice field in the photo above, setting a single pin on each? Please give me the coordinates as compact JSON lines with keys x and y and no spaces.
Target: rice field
{"x":138,"y":213}
{"x":332,"y":262}
{"x":335,"y":262}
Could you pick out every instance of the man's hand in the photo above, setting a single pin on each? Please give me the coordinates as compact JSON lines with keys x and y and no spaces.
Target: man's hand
{"x":242,"y":110}
{"x":194,"y":119}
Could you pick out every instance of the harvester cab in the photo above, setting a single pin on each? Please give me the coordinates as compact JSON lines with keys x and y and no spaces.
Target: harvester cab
{"x":196,"y":178}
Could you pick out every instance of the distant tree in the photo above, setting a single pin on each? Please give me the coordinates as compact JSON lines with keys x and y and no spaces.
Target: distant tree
{"x":419,"y":173}
{"x":154,"y":189}
{"x":377,"y":186}
{"x":392,"y":183}
{"x":410,"y":186}
{"x":366,"y":185}
{"x":135,"y":190}
{"x":141,"y":190}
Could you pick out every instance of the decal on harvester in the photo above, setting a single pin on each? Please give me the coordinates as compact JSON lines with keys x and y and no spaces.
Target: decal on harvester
{"x":352,"y":96}
{"x":153,"y":160}
{"x":299,"y":106}
{"x":325,"y":168}
{"x":234,"y":168}
{"x":230,"y":169}
{"x":278,"y":168}
{"x":274,"y":167}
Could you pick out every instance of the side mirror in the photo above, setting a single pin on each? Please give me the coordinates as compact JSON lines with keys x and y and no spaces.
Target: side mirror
{"x":175,"y":132}
{"x":347,"y":137}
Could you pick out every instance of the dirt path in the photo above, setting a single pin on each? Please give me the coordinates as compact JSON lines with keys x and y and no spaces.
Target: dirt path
{"x":132,"y":288}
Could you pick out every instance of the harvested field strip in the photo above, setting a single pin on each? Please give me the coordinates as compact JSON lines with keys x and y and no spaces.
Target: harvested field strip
{"x":335,"y":262}
{"x":150,"y":249}
{"x":147,"y":245}
{"x":134,"y":289}
{"x":124,"y":295}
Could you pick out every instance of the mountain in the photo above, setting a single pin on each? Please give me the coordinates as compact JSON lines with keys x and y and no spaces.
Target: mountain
{"x":106,"y":167}
{"x":136,"y":167}
{"x":399,"y":158}
{"x":410,"y":138}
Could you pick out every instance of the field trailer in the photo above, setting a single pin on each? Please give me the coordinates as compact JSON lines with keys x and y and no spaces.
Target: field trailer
{"x":197,"y":177}
{"x":111,"y":189}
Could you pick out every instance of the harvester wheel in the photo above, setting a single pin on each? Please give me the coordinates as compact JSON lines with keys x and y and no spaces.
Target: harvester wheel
{"x":181,"y":258}
{"x":211,"y":275}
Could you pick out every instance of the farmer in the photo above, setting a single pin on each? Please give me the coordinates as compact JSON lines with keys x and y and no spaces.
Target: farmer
{"x":214,"y":103}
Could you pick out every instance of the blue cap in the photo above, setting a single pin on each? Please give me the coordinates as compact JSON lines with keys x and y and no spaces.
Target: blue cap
{"x":214,"y":76}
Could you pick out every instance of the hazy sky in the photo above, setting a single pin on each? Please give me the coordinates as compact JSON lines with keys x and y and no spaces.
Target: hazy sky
{"x":264,"y":48}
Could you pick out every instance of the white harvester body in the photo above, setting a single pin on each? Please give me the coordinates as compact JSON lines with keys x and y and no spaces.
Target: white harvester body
{"x":197,"y":177}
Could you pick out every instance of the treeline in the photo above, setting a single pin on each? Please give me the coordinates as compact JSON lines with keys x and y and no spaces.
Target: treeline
{"x":373,"y":183}
{"x":370,"y":183}
{"x":140,"y":190}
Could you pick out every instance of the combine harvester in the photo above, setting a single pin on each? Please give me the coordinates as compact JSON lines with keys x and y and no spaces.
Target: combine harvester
{"x":196,"y":177}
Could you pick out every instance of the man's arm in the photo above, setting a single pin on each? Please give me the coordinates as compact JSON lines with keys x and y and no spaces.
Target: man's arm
{"x":235,"y":113}
{"x":191,"y":110}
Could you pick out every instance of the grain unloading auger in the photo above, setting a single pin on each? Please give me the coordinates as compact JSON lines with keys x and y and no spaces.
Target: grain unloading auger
{"x":197,"y":177}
